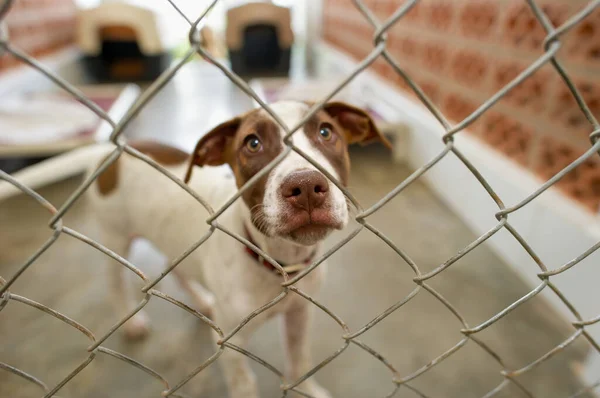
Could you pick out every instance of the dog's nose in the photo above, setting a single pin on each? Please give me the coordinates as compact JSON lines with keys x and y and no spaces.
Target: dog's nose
{"x":305,"y":189}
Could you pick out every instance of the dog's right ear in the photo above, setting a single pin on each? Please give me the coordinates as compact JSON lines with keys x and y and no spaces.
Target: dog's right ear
{"x":213,"y":149}
{"x":358,"y":125}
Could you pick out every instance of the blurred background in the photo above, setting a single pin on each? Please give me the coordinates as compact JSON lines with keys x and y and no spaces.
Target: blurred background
{"x":459,"y":52}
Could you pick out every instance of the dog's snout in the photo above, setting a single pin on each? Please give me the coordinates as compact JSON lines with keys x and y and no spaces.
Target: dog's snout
{"x":305,"y":189}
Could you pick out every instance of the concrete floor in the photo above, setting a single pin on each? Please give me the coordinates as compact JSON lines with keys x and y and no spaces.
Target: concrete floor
{"x":365,"y":277}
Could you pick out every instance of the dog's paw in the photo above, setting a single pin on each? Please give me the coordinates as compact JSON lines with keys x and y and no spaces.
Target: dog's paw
{"x":208,"y":306}
{"x":204,"y":300}
{"x":137,"y":327}
{"x":313,"y":389}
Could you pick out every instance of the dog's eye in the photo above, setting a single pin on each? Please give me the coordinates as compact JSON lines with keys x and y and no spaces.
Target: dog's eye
{"x":325,"y":132}
{"x":253,"y":143}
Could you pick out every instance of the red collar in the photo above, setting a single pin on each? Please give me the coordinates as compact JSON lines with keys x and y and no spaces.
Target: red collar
{"x":268,"y":265}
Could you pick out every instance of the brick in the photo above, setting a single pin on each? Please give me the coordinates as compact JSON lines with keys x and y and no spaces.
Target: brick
{"x":587,"y":187}
{"x":582,"y":183}
{"x":430,"y":88}
{"x":456,"y":107}
{"x":10,"y":62}
{"x":389,"y":73}
{"x":16,"y":7}
{"x":395,"y":42}
{"x":479,"y":19}
{"x":583,"y":42}
{"x":364,"y":29}
{"x":523,"y":30}
{"x":507,"y":136}
{"x":554,"y":156}
{"x":530,"y":95}
{"x":379,"y":66}
{"x":380,"y":9}
{"x":440,"y":15}
{"x":411,"y":70}
{"x":401,"y":84}
{"x":391,"y":7}
{"x":408,"y":49}
{"x":567,"y":112}
{"x":416,"y":14}
{"x":41,"y":26}
{"x":434,"y":56}
{"x":469,"y":67}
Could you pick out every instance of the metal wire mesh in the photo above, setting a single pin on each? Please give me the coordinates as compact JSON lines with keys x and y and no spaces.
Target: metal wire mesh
{"x":551,"y":45}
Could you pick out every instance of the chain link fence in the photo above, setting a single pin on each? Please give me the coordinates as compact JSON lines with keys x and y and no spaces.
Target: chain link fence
{"x":552,"y":44}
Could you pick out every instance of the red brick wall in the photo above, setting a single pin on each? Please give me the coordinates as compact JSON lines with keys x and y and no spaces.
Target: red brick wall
{"x":39,"y":27}
{"x":461,"y":52}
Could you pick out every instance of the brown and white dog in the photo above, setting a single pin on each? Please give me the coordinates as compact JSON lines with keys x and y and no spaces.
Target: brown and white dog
{"x":287,"y":213}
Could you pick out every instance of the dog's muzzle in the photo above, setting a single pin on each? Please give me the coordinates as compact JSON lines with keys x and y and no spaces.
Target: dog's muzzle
{"x":308,"y":215}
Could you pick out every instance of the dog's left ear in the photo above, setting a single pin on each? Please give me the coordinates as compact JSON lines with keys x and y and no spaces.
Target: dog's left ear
{"x":357,"y":124}
{"x":213,"y":148}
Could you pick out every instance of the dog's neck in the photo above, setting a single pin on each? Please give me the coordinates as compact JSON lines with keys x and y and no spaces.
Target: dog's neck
{"x":281,"y":250}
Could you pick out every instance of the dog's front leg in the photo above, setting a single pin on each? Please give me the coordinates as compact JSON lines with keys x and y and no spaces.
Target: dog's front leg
{"x":296,"y":325}
{"x":240,"y":380}
{"x":137,"y":326}
{"x":203,"y":299}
